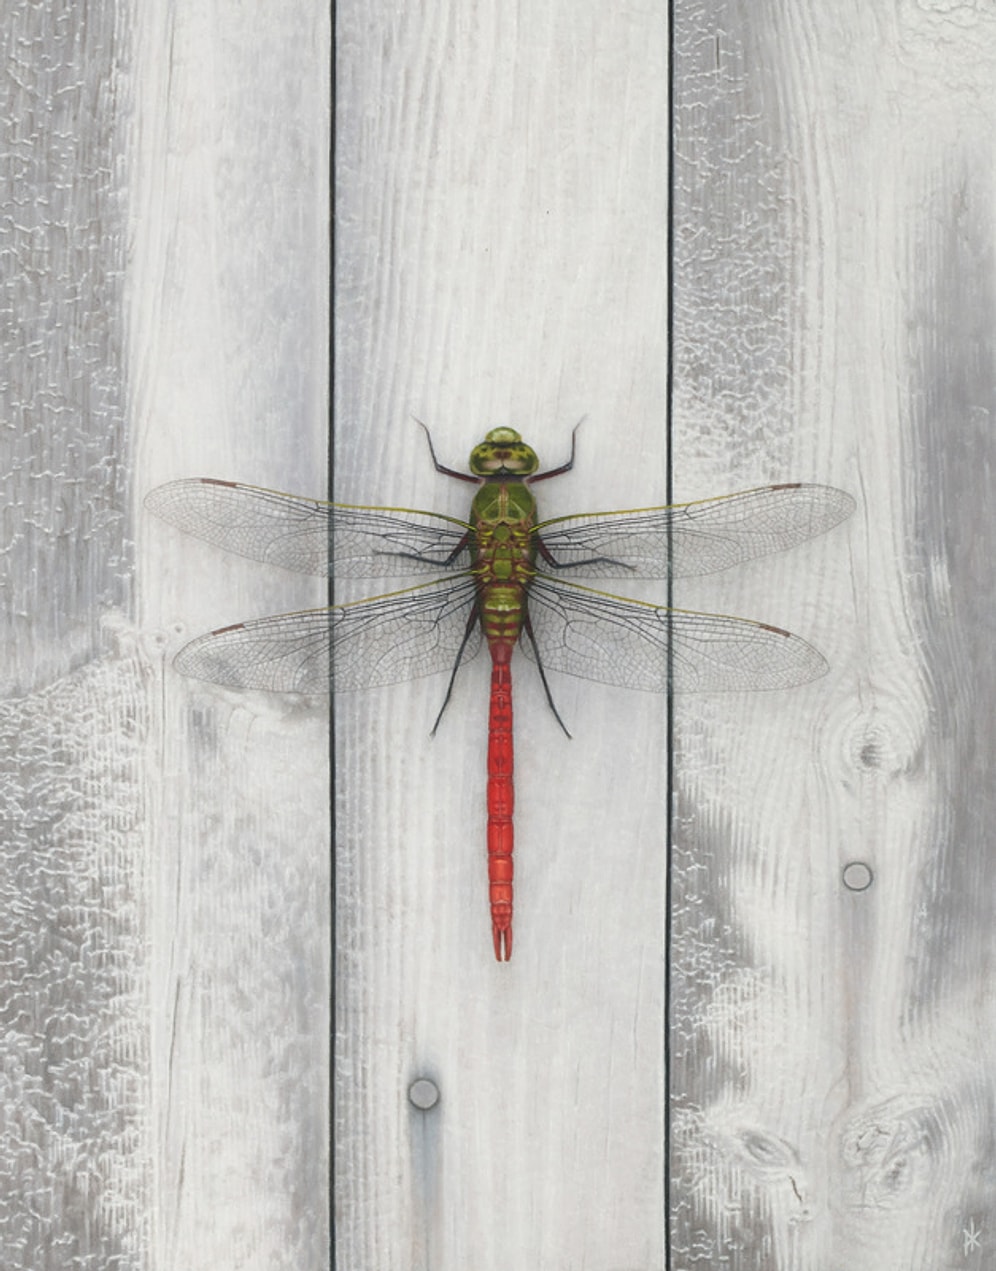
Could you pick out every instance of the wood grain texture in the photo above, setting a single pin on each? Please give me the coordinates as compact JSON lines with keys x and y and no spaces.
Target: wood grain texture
{"x":502,"y":179}
{"x":64,"y":552}
{"x":227,"y":354}
{"x":164,"y":916}
{"x":833,"y":1079}
{"x":74,"y":1146}
{"x":76,"y":1142}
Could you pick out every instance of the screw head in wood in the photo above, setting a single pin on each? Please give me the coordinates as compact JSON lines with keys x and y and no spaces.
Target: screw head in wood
{"x":857,"y":876}
{"x":423,"y":1093}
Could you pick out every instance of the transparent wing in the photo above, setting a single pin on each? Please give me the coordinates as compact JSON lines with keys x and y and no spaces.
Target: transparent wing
{"x":702,"y":537}
{"x":310,"y":536}
{"x":625,"y":642}
{"x":383,"y":640}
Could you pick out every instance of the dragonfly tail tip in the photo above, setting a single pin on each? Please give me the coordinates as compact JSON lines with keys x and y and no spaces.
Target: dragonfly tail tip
{"x":503,"y":943}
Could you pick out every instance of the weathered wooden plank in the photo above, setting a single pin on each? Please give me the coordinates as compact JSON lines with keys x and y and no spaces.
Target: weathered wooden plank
{"x":501,"y":223}
{"x":62,"y":247}
{"x":165,"y":914}
{"x":228,"y":355}
{"x":74,"y":1086}
{"x":833,"y":1081}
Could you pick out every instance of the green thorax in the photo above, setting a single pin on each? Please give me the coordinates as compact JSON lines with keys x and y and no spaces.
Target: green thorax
{"x":504,"y":511}
{"x":505,"y":503}
{"x":503,"y":515}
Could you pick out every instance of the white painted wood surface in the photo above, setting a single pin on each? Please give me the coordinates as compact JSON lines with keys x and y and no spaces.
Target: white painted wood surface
{"x":833,"y":1072}
{"x":502,"y":179}
{"x":164,"y":913}
{"x":228,"y":375}
{"x":74,"y":1077}
{"x":502,"y":188}
{"x":502,"y":202}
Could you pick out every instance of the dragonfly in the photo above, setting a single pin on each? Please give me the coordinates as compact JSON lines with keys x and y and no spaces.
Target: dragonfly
{"x":502,"y":579}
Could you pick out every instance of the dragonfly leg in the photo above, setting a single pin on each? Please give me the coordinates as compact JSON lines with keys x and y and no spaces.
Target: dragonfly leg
{"x":447,"y":472}
{"x":527,"y":627}
{"x":564,"y":467}
{"x":551,"y":560}
{"x":430,"y":560}
{"x":471,"y":622}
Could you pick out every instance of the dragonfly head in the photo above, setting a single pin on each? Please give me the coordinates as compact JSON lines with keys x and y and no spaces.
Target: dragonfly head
{"x":503,"y":451}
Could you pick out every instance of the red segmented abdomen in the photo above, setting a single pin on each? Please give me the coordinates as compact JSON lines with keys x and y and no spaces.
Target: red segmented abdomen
{"x":501,"y":800}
